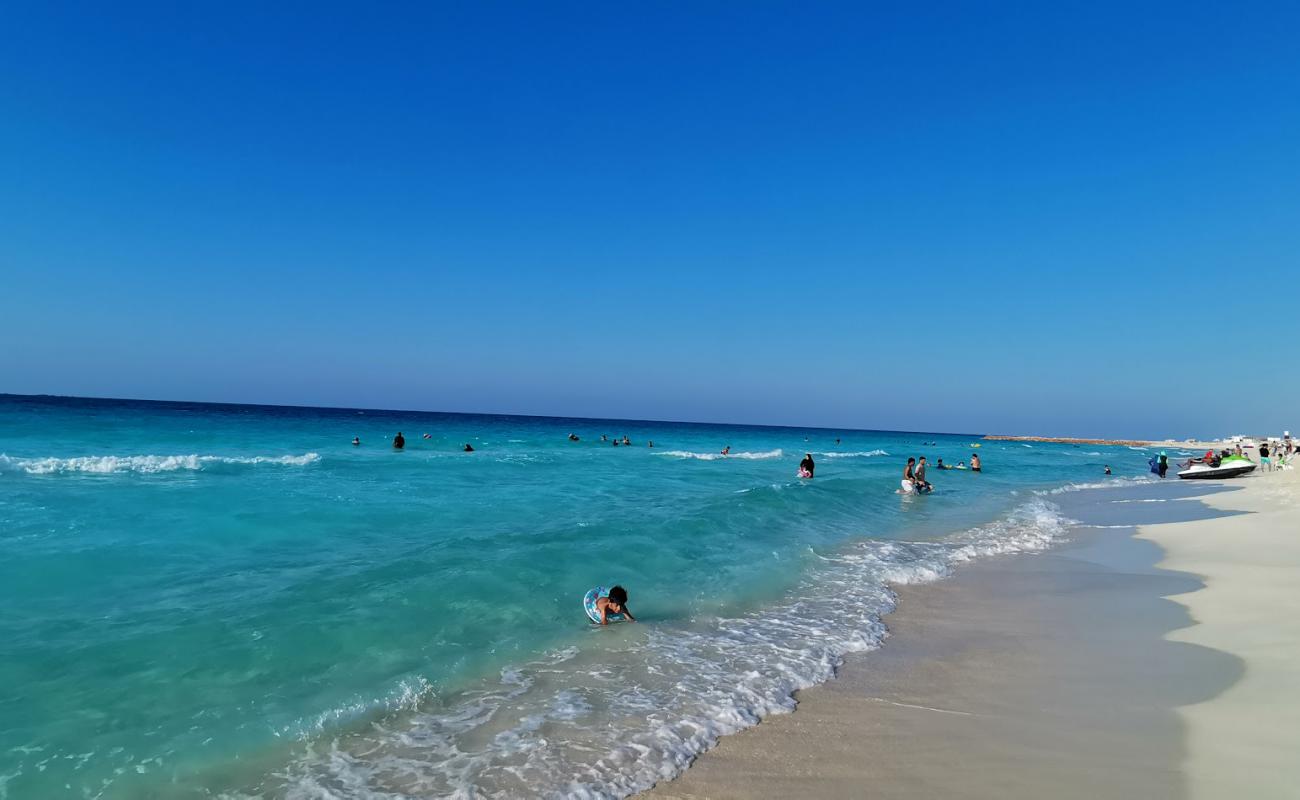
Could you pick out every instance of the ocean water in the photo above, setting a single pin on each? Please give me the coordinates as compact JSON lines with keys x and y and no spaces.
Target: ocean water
{"x":233,"y":601}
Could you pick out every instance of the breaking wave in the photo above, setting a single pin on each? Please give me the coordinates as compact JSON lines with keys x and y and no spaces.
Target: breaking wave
{"x":634,"y":706}
{"x":867,"y":454}
{"x":147,"y":464}
{"x":719,"y":456}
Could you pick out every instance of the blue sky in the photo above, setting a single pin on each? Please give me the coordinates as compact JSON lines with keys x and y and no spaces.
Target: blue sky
{"x":976,"y":217}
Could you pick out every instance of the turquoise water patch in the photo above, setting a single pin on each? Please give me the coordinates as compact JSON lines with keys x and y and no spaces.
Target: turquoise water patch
{"x":198,"y":599}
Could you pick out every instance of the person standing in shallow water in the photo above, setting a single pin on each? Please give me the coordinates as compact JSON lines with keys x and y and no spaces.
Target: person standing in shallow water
{"x":975,"y":463}
{"x":399,"y":441}
{"x":806,"y":467}
{"x":1162,"y":466}
{"x":919,"y":476}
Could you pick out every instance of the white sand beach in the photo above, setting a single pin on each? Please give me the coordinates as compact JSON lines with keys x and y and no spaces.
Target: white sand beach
{"x":1247,"y":738}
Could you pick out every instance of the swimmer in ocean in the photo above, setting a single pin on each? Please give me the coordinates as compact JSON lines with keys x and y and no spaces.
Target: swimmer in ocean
{"x":726,"y":451}
{"x":356,"y":441}
{"x":616,"y":603}
{"x":399,"y":441}
{"x":975,"y":463}
{"x":469,"y":448}
{"x":1108,"y":469}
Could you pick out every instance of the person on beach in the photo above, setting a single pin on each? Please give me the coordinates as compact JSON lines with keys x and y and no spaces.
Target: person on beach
{"x":356,"y":441}
{"x":1264,"y":461}
{"x":807,"y":467}
{"x":399,"y":441}
{"x":602,"y":606}
{"x":975,"y":463}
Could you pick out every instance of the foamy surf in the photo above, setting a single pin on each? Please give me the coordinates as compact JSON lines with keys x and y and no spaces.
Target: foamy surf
{"x":145,"y":464}
{"x":1113,"y":483}
{"x":863,"y":454}
{"x":718,"y":456}
{"x":634,"y":705}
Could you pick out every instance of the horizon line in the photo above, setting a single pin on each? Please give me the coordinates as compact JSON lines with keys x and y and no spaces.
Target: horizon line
{"x":4,"y":395}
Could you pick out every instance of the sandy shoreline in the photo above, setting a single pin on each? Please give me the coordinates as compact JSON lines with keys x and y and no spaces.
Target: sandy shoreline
{"x":1105,"y":668}
{"x":1248,"y":738}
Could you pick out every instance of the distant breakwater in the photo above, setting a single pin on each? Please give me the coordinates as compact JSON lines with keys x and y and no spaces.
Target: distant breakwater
{"x":1067,"y":440}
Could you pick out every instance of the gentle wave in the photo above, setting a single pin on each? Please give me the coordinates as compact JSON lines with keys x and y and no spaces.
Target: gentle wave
{"x":867,"y":454}
{"x":639,"y":703}
{"x":148,"y":464}
{"x":1113,"y":483}
{"x":716,"y":456}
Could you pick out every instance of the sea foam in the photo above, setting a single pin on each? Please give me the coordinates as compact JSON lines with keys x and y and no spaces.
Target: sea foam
{"x":866,"y":454}
{"x":717,"y":456}
{"x":637,"y":704}
{"x":146,"y":464}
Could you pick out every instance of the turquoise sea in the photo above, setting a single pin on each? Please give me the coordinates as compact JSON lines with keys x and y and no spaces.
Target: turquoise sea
{"x":234,"y":601}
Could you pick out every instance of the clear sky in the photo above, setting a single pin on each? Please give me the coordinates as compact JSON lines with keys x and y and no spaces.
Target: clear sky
{"x":1069,"y":218}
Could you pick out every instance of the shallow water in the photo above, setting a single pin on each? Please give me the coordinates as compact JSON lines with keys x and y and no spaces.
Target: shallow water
{"x":200,"y":599}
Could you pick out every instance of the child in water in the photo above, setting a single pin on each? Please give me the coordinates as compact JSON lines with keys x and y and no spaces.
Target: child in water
{"x":601,"y":605}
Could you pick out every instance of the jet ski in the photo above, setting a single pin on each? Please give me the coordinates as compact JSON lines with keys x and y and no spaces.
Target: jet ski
{"x":1229,"y":467}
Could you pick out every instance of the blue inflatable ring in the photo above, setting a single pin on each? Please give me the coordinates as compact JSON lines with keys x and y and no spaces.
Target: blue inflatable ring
{"x":589,"y":604}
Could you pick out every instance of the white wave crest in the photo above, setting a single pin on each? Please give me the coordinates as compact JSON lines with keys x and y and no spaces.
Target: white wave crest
{"x":146,"y":464}
{"x":717,"y":456}
{"x":866,"y":454}
{"x":1113,"y":483}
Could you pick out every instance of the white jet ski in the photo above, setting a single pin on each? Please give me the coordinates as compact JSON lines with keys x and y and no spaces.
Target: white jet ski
{"x":1230,"y":467}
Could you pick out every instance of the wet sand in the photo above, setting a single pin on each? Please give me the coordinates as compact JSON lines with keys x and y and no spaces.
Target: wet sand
{"x":1029,"y":676}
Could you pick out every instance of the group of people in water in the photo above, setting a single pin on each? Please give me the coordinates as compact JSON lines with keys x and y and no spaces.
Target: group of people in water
{"x":399,"y":442}
{"x":626,"y":442}
{"x":914,"y":480}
